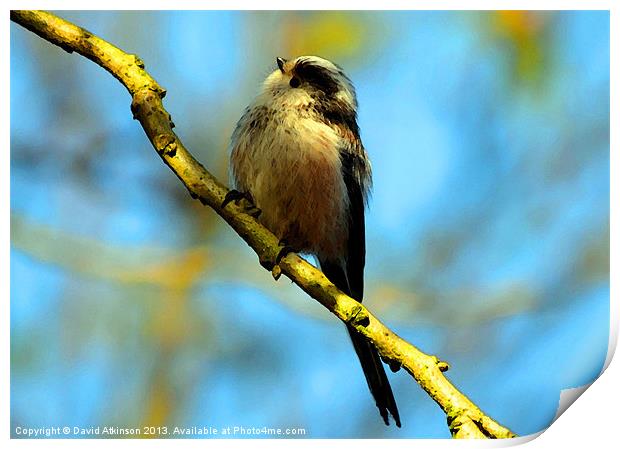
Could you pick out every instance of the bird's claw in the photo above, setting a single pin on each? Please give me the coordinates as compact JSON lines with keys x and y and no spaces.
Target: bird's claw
{"x":237,"y":196}
{"x":232,"y":195}
{"x":274,"y":266}
{"x":253,"y":211}
{"x":283,"y":252}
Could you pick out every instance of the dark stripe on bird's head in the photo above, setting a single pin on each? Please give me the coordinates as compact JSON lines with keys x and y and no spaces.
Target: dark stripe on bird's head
{"x":317,"y":76}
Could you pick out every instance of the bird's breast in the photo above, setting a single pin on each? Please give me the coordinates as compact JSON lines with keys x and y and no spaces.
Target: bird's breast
{"x":291,"y":166}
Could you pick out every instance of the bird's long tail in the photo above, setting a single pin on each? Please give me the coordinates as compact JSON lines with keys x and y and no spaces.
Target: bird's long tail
{"x":368,"y":355}
{"x":375,"y":376}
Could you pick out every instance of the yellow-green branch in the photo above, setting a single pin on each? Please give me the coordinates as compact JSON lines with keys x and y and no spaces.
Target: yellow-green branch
{"x":465,"y":419}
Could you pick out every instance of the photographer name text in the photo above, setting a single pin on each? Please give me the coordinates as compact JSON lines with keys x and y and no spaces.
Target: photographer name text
{"x":152,"y":431}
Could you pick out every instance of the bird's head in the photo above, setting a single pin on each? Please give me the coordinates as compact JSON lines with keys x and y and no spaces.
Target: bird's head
{"x":309,"y":79}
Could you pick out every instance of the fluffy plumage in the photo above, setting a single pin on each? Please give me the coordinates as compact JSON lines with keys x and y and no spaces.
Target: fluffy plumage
{"x":298,"y":152}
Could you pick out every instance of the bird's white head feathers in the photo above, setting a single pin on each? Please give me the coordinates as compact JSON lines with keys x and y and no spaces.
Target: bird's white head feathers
{"x":306,"y":79}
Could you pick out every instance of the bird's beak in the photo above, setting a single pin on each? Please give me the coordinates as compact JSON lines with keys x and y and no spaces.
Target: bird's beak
{"x":281,"y":62}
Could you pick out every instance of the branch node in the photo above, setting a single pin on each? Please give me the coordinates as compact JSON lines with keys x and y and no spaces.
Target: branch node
{"x":463,"y":426}
{"x":276,"y":272}
{"x":171,"y":150}
{"x":138,"y":61}
{"x":441,"y":365}
{"x":165,"y":145}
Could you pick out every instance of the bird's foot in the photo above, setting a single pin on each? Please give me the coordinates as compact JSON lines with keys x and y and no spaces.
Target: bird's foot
{"x":237,"y":197}
{"x":273,"y":265}
{"x":232,"y":195}
{"x":284,"y":250}
{"x":253,"y":211}
{"x":276,"y":271}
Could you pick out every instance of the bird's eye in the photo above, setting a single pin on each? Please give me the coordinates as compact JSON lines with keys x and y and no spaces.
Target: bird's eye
{"x":294,"y":82}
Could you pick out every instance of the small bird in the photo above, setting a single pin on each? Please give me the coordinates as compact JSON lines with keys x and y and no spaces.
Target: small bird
{"x":298,"y":158}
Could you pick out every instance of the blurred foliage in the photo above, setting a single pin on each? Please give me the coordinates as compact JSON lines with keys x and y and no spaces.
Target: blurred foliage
{"x":336,"y":34}
{"x":523,"y":31}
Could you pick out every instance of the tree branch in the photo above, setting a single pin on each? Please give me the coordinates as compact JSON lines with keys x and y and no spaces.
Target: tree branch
{"x":465,"y":419}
